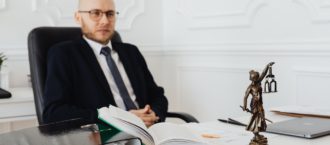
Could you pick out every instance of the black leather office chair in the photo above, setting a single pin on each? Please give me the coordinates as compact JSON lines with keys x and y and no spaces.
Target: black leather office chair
{"x":39,"y":41}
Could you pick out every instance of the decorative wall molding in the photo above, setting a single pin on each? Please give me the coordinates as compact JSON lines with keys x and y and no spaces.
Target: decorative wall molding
{"x":2,"y":4}
{"x":305,"y":49}
{"x":182,"y":70}
{"x":15,"y":53}
{"x":311,"y":85}
{"x":276,"y":48}
{"x":129,"y":10}
{"x":56,"y":12}
{"x":319,"y":9}
{"x":229,"y":19}
{"x":312,"y":71}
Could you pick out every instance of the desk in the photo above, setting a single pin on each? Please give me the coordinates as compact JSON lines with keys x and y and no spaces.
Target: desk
{"x":19,"y":106}
{"x":18,"y":111}
{"x":62,"y":133}
{"x":238,"y":135}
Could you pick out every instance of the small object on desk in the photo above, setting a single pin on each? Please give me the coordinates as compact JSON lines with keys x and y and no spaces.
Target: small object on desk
{"x":232,"y":121}
{"x":4,"y":94}
{"x":92,"y":127}
{"x":306,"y":127}
{"x":303,"y":111}
{"x":239,"y":123}
{"x":207,"y":135}
{"x":270,"y":85}
{"x":258,"y":120}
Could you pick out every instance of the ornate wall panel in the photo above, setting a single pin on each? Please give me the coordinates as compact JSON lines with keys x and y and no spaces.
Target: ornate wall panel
{"x":219,"y":14}
{"x":2,"y":4}
{"x":214,"y":89}
{"x":312,"y":86}
{"x":56,"y":11}
{"x":129,"y":10}
{"x":318,"y":9}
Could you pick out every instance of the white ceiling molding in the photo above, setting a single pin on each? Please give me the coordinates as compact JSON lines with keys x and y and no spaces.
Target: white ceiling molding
{"x":319,"y":9}
{"x":2,"y":4}
{"x":214,"y":20}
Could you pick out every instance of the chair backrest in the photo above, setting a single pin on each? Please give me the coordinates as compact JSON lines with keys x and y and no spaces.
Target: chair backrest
{"x":39,"y":41}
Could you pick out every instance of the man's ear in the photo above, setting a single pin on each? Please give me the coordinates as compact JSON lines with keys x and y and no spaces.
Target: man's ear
{"x":77,"y":17}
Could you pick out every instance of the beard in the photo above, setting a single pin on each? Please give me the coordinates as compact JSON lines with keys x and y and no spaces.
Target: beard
{"x":93,"y":36}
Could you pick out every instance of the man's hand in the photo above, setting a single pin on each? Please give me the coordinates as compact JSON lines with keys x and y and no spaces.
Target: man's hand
{"x":147,"y":115}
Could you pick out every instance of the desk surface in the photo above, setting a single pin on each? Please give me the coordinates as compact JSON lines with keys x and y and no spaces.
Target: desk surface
{"x":236,"y":135}
{"x":62,"y":133}
{"x":70,"y":133}
{"x":21,"y":105}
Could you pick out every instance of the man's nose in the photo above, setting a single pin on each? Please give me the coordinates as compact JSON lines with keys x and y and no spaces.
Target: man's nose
{"x":104,"y":18}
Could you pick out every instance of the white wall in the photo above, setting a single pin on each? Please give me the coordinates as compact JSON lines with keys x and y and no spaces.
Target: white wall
{"x":210,"y":46}
{"x":202,"y":50}
{"x":18,"y":18}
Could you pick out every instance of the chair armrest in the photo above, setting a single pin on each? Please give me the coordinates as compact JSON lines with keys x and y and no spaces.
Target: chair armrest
{"x":184,"y":116}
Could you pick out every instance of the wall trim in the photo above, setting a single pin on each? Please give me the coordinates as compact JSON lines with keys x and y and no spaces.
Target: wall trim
{"x":2,"y":4}
{"x":190,"y":68}
{"x":270,"y":48}
{"x":316,"y":11}
{"x":229,"y":19}
{"x":306,"y":48}
{"x":312,"y":71}
{"x":15,"y":52}
{"x":320,"y":77}
{"x":130,"y":14}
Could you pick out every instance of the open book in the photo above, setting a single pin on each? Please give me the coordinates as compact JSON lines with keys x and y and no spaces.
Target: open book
{"x":158,"y":134}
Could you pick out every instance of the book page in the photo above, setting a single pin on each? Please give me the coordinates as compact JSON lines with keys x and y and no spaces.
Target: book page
{"x":127,"y":116}
{"x":169,"y":133}
{"x":126,"y":122}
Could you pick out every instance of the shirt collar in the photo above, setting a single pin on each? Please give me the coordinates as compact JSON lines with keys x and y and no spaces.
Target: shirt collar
{"x":97,"y":46}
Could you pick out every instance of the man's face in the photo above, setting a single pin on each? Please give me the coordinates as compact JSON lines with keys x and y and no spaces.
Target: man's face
{"x":99,"y":29}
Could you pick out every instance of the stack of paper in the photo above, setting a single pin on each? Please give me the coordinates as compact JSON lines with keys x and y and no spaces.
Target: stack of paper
{"x":301,"y":111}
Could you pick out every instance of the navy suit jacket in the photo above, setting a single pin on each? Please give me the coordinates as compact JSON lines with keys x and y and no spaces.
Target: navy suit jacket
{"x":76,"y":85}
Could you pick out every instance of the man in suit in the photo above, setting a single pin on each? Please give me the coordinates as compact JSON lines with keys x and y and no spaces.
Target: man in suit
{"x":92,"y":72}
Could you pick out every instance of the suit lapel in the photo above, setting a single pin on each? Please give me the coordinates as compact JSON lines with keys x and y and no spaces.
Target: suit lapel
{"x":90,"y":58}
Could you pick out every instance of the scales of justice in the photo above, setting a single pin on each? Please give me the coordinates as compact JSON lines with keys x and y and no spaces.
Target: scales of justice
{"x":258,"y":120}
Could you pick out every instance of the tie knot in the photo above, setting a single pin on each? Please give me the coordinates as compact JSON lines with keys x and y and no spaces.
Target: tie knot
{"x":105,"y":51}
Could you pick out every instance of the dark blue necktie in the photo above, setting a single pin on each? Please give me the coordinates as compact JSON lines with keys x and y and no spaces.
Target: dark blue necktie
{"x":106,"y":51}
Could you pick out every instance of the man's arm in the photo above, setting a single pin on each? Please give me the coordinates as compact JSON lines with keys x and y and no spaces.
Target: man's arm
{"x":264,"y":72}
{"x":247,"y":93}
{"x":58,"y":90}
{"x":156,"y":98}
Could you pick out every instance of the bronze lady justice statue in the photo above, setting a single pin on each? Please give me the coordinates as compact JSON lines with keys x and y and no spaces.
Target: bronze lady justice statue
{"x":258,"y":121}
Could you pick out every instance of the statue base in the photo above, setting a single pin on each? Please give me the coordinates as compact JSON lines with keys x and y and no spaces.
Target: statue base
{"x":259,"y":140}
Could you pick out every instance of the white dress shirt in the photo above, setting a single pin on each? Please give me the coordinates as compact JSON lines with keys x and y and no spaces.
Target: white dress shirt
{"x":106,"y":70}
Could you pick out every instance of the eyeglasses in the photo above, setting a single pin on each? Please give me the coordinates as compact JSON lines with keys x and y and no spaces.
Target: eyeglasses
{"x":96,"y":15}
